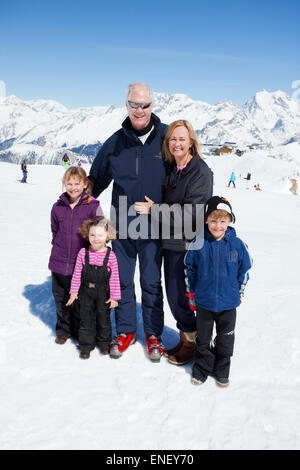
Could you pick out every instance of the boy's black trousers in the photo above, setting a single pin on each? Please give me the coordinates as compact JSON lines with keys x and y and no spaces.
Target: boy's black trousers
{"x":213,"y":357}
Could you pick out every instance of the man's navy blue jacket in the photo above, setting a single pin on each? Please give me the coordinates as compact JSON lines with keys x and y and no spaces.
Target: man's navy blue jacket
{"x":218,"y":272}
{"x":137,"y":169}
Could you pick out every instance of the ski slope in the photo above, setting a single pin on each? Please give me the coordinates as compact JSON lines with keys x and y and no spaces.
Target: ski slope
{"x":50,"y":399}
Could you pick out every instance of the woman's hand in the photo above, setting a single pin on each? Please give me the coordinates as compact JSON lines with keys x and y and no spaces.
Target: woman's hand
{"x":113,"y":303}
{"x":143,"y":207}
{"x":71,"y":299}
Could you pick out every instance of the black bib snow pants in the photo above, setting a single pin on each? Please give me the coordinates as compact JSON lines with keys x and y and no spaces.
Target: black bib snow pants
{"x":95,"y":325}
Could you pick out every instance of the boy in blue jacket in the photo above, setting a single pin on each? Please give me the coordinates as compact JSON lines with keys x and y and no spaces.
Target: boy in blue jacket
{"x":216,"y":276}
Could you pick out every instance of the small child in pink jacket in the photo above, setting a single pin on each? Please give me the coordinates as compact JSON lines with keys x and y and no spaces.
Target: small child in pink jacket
{"x":96,"y":280}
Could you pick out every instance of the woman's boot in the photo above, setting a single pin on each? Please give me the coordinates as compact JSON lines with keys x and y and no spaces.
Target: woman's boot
{"x":175,"y":349}
{"x":187,"y":350}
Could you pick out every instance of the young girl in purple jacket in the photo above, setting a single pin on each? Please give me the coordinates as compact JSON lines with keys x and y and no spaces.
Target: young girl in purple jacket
{"x":73,"y":207}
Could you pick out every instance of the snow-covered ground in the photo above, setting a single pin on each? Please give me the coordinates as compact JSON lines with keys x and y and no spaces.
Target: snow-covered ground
{"x":50,"y":399}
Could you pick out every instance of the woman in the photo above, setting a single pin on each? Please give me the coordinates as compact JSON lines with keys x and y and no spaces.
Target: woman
{"x":189,"y":181}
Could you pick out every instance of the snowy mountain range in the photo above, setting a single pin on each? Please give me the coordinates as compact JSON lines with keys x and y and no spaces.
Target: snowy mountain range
{"x":42,"y":130}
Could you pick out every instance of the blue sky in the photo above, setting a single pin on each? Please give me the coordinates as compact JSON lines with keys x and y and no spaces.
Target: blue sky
{"x":85,"y":53}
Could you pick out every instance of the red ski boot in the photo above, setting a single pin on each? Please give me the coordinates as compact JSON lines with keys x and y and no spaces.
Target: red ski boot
{"x":120,"y":344}
{"x":154,"y":347}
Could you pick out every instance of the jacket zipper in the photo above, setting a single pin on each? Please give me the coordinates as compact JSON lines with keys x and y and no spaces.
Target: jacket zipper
{"x":137,"y":162}
{"x":217,"y":273}
{"x":69,"y":247}
{"x":141,"y":174}
{"x":138,"y":169}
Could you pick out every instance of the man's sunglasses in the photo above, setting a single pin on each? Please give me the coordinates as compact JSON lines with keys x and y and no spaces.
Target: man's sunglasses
{"x":134,"y":105}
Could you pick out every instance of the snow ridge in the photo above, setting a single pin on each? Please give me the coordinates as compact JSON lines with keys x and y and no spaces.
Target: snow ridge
{"x":41,"y":130}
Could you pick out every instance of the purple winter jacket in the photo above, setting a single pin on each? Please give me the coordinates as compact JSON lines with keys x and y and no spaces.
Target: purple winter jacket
{"x":66,"y":239}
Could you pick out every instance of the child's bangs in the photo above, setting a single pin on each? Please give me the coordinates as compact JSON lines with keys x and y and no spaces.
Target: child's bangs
{"x":220,"y":214}
{"x":74,"y":172}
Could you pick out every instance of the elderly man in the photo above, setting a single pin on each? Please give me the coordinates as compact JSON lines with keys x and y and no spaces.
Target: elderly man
{"x":132,"y":158}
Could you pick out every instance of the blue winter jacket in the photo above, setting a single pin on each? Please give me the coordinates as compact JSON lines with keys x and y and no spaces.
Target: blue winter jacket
{"x":137,"y":169}
{"x":218,"y":272}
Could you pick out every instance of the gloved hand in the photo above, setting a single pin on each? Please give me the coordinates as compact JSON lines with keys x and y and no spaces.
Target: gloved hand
{"x":191,"y":296}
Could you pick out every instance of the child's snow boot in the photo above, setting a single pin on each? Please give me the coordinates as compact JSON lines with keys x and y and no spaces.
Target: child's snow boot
{"x":84,"y":354}
{"x":104,"y":350}
{"x":196,"y":381}
{"x":222,"y":381}
{"x":61,"y":339}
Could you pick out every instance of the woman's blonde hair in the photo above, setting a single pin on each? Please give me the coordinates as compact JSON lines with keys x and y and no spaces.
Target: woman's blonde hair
{"x":195,"y":149}
{"x":100,"y":221}
{"x":78,"y":172}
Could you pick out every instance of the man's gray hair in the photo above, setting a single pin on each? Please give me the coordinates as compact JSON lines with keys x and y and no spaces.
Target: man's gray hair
{"x":140,"y":85}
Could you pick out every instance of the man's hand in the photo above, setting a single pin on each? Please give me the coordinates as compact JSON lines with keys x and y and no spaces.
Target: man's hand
{"x":143,"y":207}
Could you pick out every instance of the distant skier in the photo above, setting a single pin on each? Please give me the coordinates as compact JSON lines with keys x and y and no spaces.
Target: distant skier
{"x":25,"y":171}
{"x":232,"y":179}
{"x":66,"y":161}
{"x":257,"y":187}
{"x":248,"y":178}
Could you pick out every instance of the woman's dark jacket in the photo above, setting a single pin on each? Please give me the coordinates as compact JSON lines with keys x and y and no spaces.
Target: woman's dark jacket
{"x":185,"y":188}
